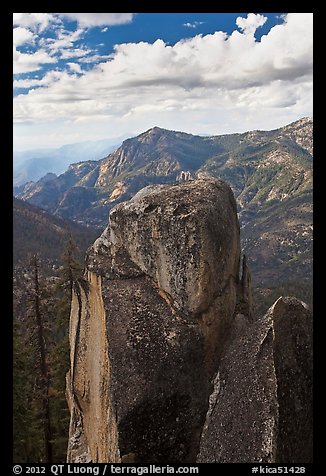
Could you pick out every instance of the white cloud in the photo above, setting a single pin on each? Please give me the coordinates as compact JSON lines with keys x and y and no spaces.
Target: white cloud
{"x":64,"y":44}
{"x":65,"y":39}
{"x":99,"y":19}
{"x":25,"y":62}
{"x":35,"y":21}
{"x":47,"y":47}
{"x":47,"y":79}
{"x":22,"y":36}
{"x":207,"y":84}
{"x":75,"y":67}
{"x":250,"y":24}
{"x":75,"y":53}
{"x":39,"y":22}
{"x":193,"y":25}
{"x":189,"y":25}
{"x":94,"y":58}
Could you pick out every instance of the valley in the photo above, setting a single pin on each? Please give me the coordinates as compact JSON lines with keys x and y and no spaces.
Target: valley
{"x":270,"y":173}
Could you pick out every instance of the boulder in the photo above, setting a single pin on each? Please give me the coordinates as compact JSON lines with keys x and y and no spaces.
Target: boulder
{"x":261,"y":406}
{"x":149,"y":321}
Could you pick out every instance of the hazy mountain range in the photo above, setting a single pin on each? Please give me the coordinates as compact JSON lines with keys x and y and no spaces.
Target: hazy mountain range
{"x":270,"y":173}
{"x":31,"y":165}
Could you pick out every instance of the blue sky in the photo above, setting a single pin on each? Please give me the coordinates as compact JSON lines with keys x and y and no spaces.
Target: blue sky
{"x":91,"y":76}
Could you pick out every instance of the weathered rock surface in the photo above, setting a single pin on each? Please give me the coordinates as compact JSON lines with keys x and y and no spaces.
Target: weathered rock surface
{"x":149,"y":321}
{"x":89,"y":392}
{"x":261,"y":406}
{"x":167,"y":363}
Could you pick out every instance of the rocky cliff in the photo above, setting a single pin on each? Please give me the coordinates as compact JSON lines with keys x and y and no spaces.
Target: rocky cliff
{"x":152,"y":328}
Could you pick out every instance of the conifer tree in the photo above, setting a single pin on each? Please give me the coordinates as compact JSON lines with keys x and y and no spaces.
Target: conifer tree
{"x":27,"y":432}
{"x":44,"y":370}
{"x":41,"y":360}
{"x":71,"y":268}
{"x":70,"y":271}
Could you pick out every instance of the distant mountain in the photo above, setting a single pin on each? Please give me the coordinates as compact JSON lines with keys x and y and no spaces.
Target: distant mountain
{"x":31,"y":165}
{"x":270,"y":173}
{"x":37,"y":231}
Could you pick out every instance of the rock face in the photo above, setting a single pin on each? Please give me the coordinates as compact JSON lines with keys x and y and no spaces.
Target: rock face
{"x":167,"y":364}
{"x":89,"y":392}
{"x":149,"y":321}
{"x":261,"y":406}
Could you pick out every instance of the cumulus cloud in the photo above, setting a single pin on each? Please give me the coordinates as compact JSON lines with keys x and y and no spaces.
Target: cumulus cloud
{"x":250,"y":24}
{"x":22,"y":36}
{"x":38,"y":22}
{"x":65,"y":44}
{"x":47,"y":79}
{"x":99,"y":19}
{"x":35,"y":21}
{"x":75,"y":67}
{"x":26,"y":63}
{"x":206,"y":82}
{"x":47,"y":47}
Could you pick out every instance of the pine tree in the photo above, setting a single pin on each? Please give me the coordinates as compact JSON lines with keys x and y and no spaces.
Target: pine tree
{"x":44,"y":370}
{"x":28,"y":442}
{"x":60,"y":360}
{"x":41,"y":360}
{"x":71,"y":268}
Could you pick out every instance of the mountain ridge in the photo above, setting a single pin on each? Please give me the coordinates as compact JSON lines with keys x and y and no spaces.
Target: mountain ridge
{"x":33,"y":164}
{"x":121,"y":161}
{"x":270,"y":173}
{"x":37,"y":231}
